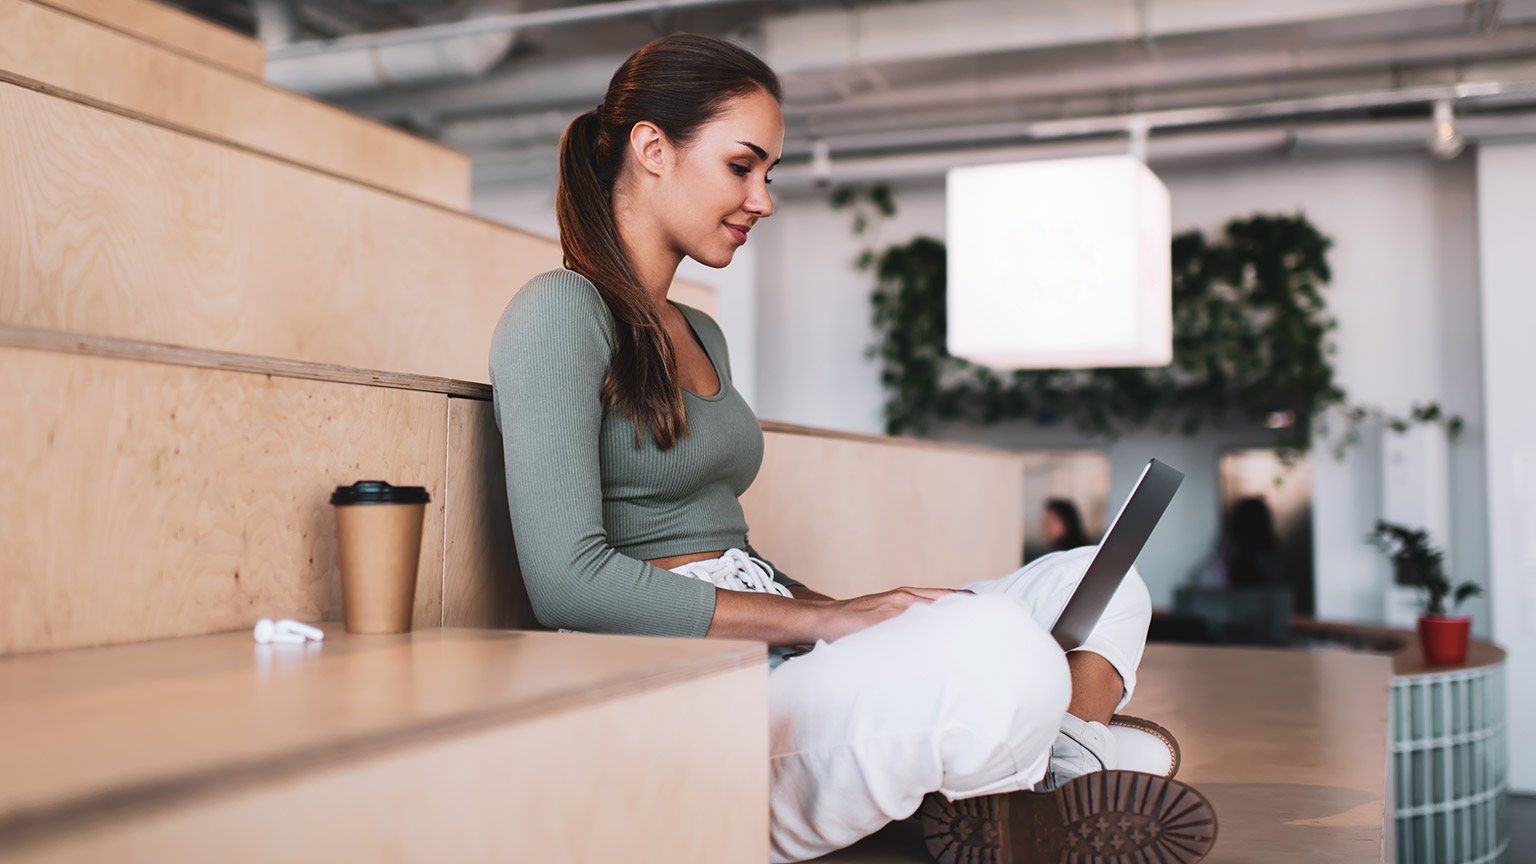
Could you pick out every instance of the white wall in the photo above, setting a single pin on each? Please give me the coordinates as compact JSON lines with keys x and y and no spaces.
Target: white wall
{"x":1507,"y":222}
{"x":1404,"y":291}
{"x":530,"y":206}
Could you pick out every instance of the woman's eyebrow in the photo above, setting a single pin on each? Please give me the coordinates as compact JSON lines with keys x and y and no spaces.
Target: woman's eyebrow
{"x":761,"y":153}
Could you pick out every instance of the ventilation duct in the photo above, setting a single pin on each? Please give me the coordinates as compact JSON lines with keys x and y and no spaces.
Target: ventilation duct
{"x":373,"y":67}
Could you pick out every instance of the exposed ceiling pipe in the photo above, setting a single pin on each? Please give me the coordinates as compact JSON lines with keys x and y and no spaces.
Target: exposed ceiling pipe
{"x":1112,"y":124}
{"x":1173,"y":149}
{"x":370,"y":67}
{"x":486,"y":25}
{"x":541,"y":83}
{"x":898,"y":33}
{"x":1173,"y":71}
{"x":1104,"y":135}
{"x":528,"y":83}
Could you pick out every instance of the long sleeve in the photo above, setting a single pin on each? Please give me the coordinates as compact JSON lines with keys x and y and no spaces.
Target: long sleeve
{"x":549,"y":357}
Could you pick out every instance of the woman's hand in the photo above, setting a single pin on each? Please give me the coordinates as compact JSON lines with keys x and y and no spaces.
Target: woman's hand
{"x":788,"y":621}
{"x":850,"y":616}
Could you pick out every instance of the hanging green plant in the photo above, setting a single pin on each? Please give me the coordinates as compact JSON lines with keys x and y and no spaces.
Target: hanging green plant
{"x":1250,"y":342}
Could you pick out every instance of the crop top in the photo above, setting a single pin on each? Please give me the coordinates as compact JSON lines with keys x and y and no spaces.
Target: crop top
{"x":588,"y":507}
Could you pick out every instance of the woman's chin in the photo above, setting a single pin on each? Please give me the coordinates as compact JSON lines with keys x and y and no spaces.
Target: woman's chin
{"x":716,"y":259}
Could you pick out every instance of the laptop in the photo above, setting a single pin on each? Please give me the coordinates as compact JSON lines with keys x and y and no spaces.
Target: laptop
{"x":1117,"y":552}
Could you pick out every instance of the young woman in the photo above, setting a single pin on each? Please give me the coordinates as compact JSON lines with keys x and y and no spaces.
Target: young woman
{"x":627,"y":447}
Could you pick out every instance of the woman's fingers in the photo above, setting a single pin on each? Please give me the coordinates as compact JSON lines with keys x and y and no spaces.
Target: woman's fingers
{"x":934,"y":593}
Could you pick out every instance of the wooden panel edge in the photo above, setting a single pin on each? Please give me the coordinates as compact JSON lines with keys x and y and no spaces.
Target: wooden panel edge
{"x":43,"y":339}
{"x":239,"y":54}
{"x":171,"y":126}
{"x":892,"y":440}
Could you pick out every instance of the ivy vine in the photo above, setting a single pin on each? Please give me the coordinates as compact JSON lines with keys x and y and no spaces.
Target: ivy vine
{"x":1251,"y":343}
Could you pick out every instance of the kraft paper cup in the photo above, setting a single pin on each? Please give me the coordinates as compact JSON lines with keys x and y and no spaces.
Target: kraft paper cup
{"x":378,"y":532}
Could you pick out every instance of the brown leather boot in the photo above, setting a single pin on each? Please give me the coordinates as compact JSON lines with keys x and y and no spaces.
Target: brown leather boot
{"x":1125,"y":817}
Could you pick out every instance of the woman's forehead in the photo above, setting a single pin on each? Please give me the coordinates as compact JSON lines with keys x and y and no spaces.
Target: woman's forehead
{"x":754,"y":121}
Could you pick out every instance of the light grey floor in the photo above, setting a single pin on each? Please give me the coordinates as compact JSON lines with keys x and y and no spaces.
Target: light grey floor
{"x":1522,"y":829}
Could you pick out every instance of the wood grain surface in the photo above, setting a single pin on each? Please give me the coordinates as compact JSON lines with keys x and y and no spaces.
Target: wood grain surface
{"x":91,"y":61}
{"x":168,"y":26}
{"x":482,"y":583}
{"x":115,"y":227}
{"x":119,"y":228}
{"x":146,"y":500}
{"x":853,"y":515}
{"x":434,"y":745}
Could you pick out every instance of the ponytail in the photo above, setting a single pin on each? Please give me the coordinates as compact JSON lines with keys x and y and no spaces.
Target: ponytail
{"x":678,"y":82}
{"x":642,"y":380}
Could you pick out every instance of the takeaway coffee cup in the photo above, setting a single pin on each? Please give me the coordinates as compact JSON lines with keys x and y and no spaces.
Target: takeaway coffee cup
{"x":378,"y":529}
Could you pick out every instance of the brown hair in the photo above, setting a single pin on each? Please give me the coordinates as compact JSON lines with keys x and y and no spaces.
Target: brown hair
{"x":678,"y":82}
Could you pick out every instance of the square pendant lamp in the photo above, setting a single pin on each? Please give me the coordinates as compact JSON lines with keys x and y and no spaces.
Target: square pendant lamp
{"x":1059,"y":264}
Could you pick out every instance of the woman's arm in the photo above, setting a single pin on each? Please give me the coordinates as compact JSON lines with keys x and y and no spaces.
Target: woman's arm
{"x":793,"y":621}
{"x":800,"y":592}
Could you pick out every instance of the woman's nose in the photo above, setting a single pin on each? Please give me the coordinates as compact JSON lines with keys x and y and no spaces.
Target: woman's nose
{"x":760,"y":202}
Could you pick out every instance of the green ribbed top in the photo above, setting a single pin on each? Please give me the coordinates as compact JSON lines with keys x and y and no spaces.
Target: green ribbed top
{"x":587,"y":506}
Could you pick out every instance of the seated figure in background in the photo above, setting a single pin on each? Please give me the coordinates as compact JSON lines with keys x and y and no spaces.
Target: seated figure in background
{"x":1064,"y":525}
{"x":1240,"y":595}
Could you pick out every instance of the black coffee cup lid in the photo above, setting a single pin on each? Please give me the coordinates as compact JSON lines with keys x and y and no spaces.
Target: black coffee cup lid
{"x":379,"y":492}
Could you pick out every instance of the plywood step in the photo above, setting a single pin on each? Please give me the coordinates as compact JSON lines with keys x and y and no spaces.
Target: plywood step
{"x":48,"y":47}
{"x":158,"y":491}
{"x":116,"y":227}
{"x":151,"y":500}
{"x":439,"y":745}
{"x":172,"y":28}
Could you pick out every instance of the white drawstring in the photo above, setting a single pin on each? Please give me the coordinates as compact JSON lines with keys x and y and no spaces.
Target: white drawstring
{"x":736,"y":571}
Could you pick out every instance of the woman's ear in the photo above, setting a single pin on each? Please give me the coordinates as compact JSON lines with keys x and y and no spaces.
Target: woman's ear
{"x":648,"y":145}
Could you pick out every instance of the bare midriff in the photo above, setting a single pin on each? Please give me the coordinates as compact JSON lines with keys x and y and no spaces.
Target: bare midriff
{"x":686,"y":558}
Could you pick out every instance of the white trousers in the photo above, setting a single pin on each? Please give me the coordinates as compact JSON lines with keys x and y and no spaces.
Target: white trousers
{"x":962,"y":696}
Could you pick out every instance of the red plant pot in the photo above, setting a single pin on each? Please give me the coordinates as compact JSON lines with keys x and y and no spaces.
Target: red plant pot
{"x":1444,"y":639}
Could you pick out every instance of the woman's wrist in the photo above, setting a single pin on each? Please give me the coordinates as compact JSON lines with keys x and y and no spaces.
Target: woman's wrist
{"x":771,"y":618}
{"x":800,"y":592}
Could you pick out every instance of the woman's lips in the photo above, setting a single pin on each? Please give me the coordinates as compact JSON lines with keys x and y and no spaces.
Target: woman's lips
{"x":737,"y":234}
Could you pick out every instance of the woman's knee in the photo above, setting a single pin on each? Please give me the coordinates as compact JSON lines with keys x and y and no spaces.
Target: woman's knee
{"x":996,"y":640}
{"x":1132,"y":600}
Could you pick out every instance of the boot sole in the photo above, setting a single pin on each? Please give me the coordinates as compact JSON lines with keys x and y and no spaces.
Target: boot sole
{"x":1155,"y":731}
{"x":1106,"y":817}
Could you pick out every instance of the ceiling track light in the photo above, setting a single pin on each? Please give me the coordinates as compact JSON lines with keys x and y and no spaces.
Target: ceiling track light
{"x":1445,"y":142}
{"x":821,"y":162}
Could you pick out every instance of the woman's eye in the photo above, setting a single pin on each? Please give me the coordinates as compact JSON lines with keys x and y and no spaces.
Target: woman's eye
{"x":741,"y":170}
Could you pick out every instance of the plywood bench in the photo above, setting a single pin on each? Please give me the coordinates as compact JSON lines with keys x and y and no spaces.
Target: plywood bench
{"x":45,"y":47}
{"x":169,"y":27}
{"x":439,"y":745}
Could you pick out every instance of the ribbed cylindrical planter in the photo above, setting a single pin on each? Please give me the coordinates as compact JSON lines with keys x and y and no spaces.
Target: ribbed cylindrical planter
{"x":1450,"y":765}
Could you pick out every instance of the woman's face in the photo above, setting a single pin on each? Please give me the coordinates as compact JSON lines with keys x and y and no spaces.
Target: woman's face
{"x":717,"y":188}
{"x":1054,"y":528}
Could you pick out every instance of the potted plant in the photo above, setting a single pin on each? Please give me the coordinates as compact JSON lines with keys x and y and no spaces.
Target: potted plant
{"x":1442,"y":637}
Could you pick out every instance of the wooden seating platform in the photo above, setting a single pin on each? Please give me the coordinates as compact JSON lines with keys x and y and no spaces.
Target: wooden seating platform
{"x":499,"y":745}
{"x":1289,"y":745}
{"x":169,"y":27}
{"x":46,"y":48}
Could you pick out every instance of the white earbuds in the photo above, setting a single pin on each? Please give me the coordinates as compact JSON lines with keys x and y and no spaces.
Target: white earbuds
{"x":286,"y":631}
